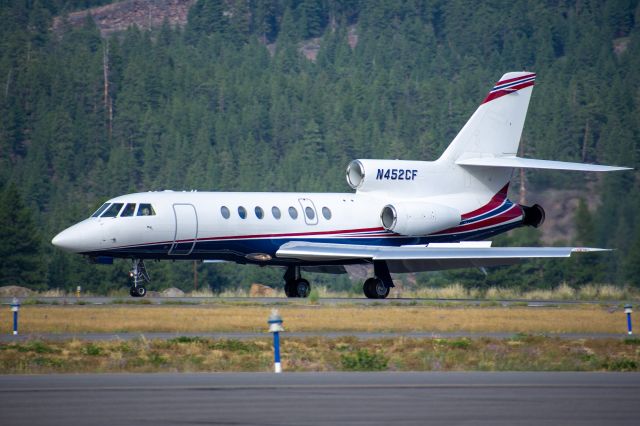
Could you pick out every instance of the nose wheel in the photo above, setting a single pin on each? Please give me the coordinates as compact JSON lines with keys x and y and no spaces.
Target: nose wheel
{"x":140,"y":276}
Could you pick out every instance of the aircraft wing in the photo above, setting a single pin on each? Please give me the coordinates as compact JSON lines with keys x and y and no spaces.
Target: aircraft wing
{"x":422,"y":258}
{"x":530,"y":163}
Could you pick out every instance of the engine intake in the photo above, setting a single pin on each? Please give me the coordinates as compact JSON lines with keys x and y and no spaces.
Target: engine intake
{"x":396,"y":176}
{"x":418,"y":218}
{"x":355,"y":174}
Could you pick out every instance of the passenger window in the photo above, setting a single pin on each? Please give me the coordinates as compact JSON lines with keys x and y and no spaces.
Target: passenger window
{"x":259,"y":212}
{"x":293,"y":212}
{"x":326,"y":213}
{"x":146,"y":210}
{"x":113,"y":210}
{"x":100,"y":210}
{"x":224,"y":211}
{"x":276,"y":212}
{"x":242,"y":212}
{"x":128,"y":210}
{"x":310,"y":213}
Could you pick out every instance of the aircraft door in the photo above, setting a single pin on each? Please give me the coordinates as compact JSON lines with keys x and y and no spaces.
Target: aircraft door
{"x":308,"y":211}
{"x":186,"y":229}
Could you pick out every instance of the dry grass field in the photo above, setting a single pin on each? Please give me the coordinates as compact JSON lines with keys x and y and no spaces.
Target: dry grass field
{"x":378,"y":318}
{"x":522,"y":351}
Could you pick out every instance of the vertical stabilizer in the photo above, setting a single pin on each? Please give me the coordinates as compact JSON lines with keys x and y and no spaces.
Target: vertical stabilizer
{"x":496,"y":126}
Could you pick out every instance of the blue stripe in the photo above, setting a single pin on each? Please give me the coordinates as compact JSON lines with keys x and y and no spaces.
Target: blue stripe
{"x":513,"y":83}
{"x":503,"y":208}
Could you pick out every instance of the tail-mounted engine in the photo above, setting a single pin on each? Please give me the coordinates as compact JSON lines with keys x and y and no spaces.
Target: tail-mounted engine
{"x":395,"y":176}
{"x":415,"y":218}
{"x":533,"y":216}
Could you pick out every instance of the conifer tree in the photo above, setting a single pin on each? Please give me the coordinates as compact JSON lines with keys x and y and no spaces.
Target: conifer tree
{"x":20,"y":243}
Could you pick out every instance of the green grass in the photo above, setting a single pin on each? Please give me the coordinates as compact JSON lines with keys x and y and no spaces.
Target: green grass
{"x":185,"y":353}
{"x":363,"y":360}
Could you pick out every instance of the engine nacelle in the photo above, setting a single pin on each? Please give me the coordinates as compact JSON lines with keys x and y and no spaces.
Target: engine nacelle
{"x":416,"y":218}
{"x":386,"y":175}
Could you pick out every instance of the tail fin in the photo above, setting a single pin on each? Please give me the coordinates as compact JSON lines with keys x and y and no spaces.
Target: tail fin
{"x":496,"y":126}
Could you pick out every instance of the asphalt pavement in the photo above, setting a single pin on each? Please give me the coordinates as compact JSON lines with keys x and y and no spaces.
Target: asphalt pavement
{"x":469,"y":398}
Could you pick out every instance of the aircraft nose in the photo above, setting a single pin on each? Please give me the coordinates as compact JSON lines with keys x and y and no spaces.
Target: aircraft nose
{"x":73,"y":239}
{"x":65,"y":240}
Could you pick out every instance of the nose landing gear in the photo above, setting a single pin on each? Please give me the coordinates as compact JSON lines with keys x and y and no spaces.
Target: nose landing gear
{"x":139,"y":274}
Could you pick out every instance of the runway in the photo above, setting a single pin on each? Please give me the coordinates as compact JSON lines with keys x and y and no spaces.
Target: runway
{"x":322,"y":399}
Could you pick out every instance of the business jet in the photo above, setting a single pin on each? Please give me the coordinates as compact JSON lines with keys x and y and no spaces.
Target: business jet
{"x":404,"y":216}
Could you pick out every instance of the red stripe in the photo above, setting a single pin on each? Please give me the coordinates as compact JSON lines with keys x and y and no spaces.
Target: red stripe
{"x":500,"y":83}
{"x":495,"y":202}
{"x":241,"y":237}
{"x":513,"y":213}
{"x":296,"y":234}
{"x":500,"y":93}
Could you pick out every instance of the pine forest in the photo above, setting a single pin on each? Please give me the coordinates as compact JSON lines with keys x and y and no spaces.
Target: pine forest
{"x":280,"y":95}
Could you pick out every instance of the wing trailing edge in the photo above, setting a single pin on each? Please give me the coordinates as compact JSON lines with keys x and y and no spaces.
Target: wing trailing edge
{"x":530,"y":163}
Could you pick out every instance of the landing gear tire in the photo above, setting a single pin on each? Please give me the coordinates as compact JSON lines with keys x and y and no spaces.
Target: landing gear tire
{"x":289,"y":289}
{"x":374,"y":288}
{"x":139,"y":291}
{"x":139,"y":274}
{"x":294,"y":284}
{"x":297,"y":288}
{"x":303,"y":288}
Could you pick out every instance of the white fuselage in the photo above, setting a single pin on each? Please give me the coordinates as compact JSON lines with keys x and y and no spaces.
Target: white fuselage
{"x":195,"y":225}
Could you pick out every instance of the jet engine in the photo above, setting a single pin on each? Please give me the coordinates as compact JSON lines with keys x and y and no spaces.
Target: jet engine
{"x":533,"y":215}
{"x":411,"y":218}
{"x":395,"y":176}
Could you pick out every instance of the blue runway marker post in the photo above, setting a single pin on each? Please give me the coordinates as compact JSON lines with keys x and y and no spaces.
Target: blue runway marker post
{"x":627,"y":310}
{"x":275,"y":327}
{"x":15,"y":307}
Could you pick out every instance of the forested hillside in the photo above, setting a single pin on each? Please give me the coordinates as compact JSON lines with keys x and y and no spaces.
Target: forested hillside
{"x":230,"y":102}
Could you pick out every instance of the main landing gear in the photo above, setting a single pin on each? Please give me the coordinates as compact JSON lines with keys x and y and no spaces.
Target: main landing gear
{"x":379,"y":286}
{"x":294,"y":284}
{"x":139,"y":274}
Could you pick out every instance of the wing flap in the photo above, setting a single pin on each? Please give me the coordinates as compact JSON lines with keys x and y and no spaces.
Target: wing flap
{"x":531,"y":163}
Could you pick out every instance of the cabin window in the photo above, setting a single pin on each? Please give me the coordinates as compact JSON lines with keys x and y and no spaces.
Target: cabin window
{"x":242,"y":212}
{"x":146,"y":210}
{"x":276,"y":212}
{"x":326,"y":213}
{"x":128,"y":210}
{"x":113,"y":210}
{"x":293,"y":212}
{"x":259,"y":212}
{"x":100,"y":210}
{"x":310,"y":213}
{"x":224,"y":211}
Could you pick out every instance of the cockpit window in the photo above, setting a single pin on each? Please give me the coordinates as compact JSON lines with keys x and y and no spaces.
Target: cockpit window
{"x":113,"y":210}
{"x":101,"y":209}
{"x":146,"y":210}
{"x":128,"y":210}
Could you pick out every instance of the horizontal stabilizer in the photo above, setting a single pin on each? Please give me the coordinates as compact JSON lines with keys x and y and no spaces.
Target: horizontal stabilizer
{"x":530,"y":163}
{"x":416,"y":258}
